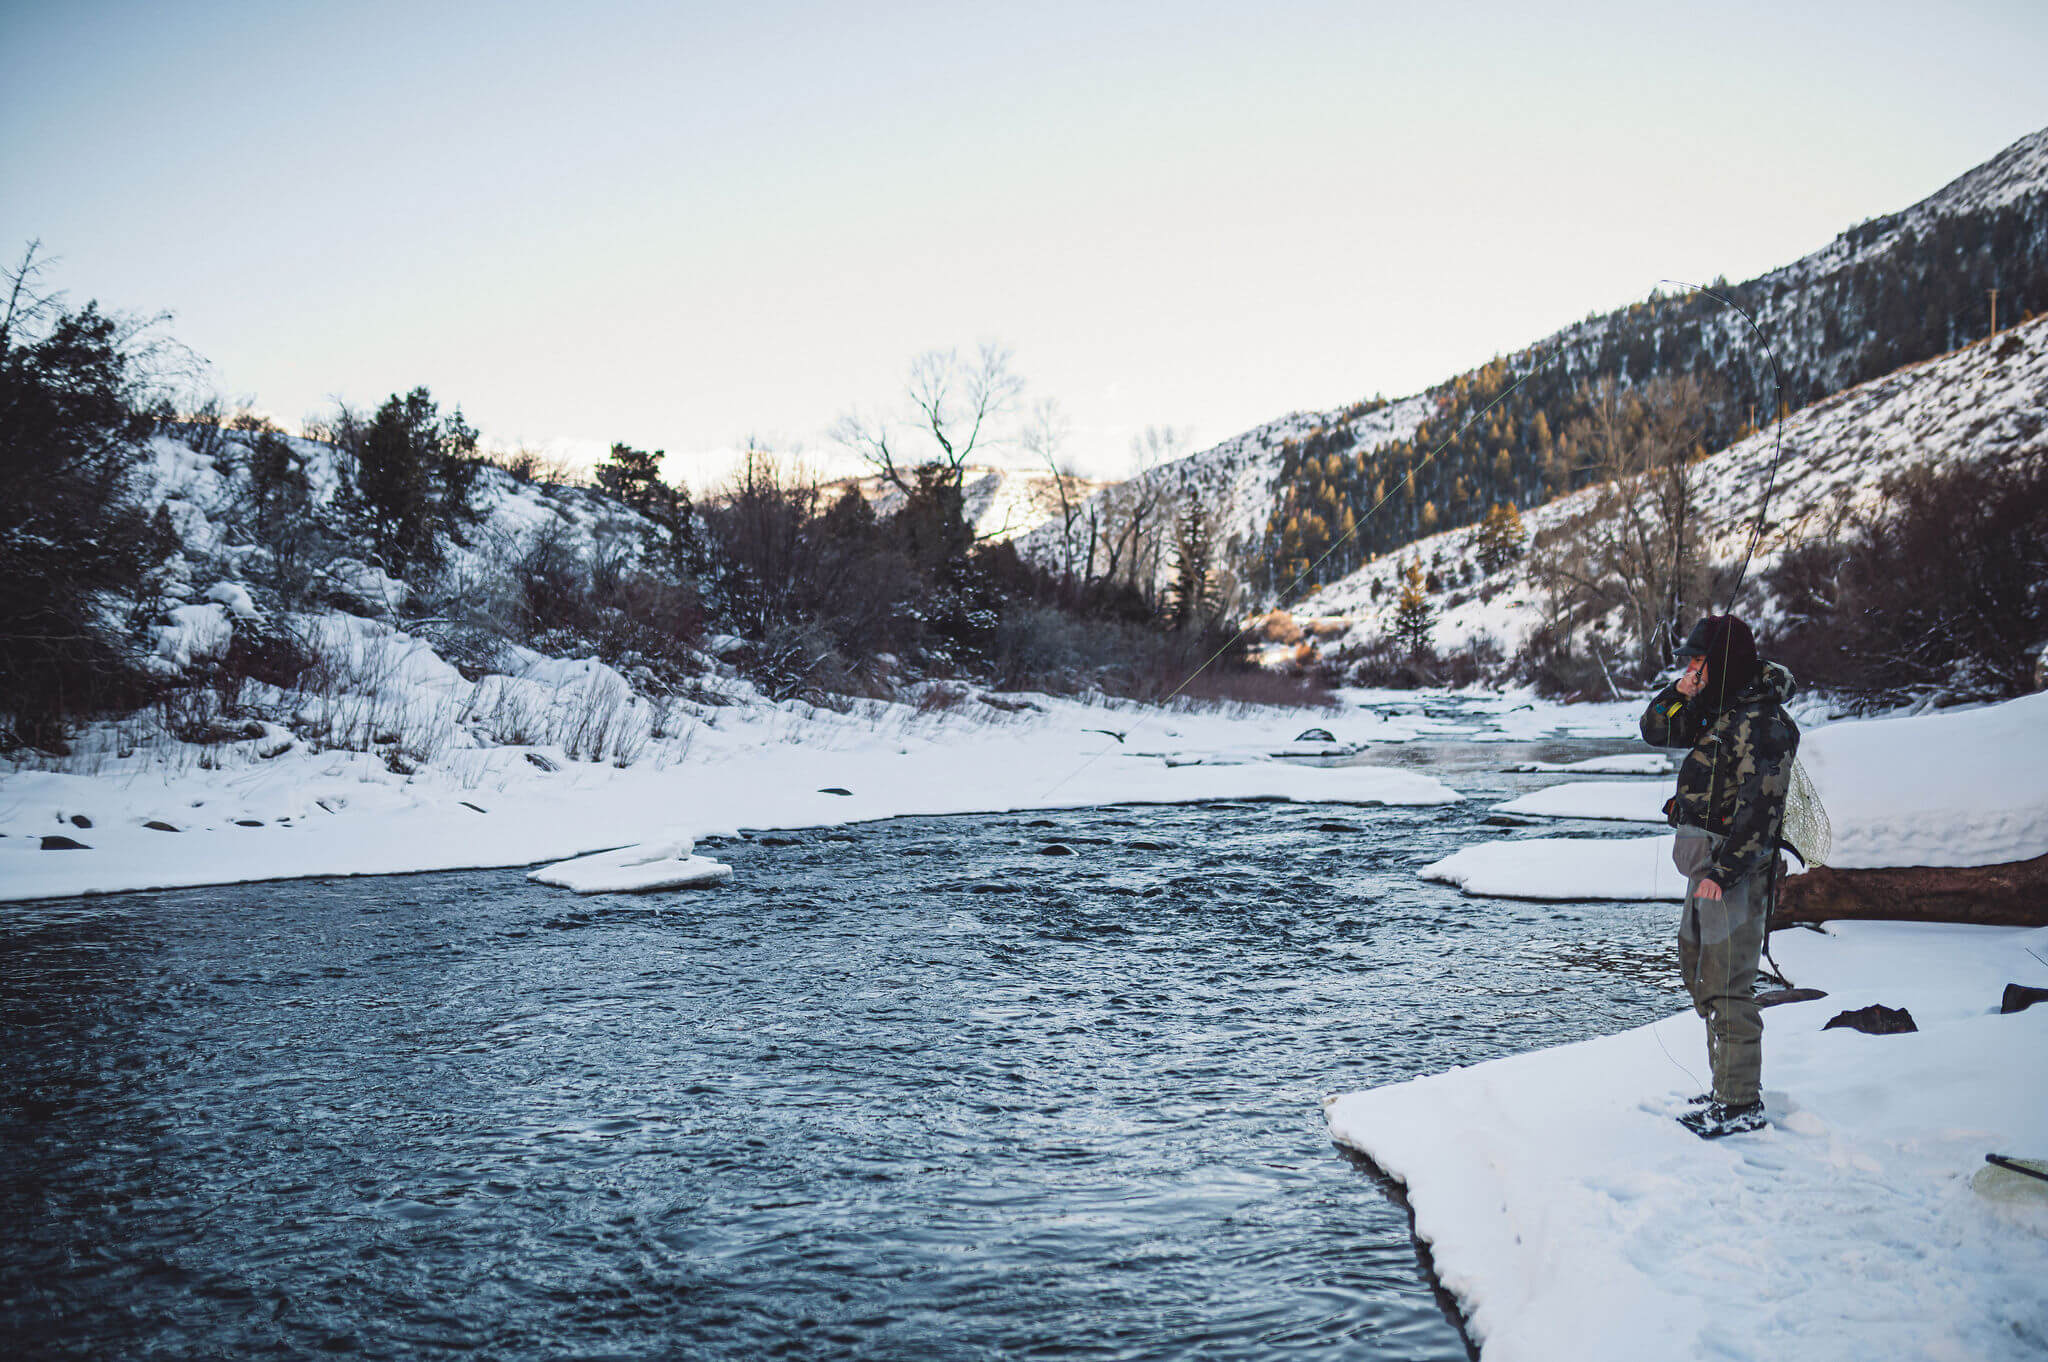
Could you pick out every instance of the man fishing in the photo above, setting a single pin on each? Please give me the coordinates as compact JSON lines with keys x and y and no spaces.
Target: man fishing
{"x":1728,"y":707}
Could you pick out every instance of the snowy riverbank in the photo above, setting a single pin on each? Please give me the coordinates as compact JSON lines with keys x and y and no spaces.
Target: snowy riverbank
{"x":1573,"y":1218}
{"x":159,"y":820}
{"x":1958,"y":789}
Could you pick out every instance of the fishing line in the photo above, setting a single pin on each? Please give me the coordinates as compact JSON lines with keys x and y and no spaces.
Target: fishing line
{"x":1306,"y":572}
{"x":1755,"y":537}
{"x":1673,"y":1058}
{"x":1778,"y":438}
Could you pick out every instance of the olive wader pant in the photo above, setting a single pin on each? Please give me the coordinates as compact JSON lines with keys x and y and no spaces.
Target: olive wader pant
{"x":1719,"y":941}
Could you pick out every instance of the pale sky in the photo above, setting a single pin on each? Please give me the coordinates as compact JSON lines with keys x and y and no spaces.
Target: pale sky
{"x":680,"y":226}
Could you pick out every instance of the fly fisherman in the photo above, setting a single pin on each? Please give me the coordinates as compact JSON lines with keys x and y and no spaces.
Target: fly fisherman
{"x":1728,"y":707}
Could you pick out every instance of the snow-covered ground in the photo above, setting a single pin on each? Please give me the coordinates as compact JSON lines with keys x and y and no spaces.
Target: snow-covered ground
{"x":1573,"y":1218}
{"x":231,"y":813}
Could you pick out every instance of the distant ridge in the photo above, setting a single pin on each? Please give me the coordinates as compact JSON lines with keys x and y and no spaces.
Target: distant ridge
{"x":1891,"y":291}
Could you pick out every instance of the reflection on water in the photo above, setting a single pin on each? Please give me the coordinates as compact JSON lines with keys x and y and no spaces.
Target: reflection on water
{"x":908,"y":1089}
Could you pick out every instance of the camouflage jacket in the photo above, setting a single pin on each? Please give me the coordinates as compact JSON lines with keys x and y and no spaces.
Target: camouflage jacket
{"x":1734,"y":779}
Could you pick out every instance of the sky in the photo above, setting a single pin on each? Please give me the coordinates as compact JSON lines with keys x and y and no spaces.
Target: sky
{"x":686,"y":226}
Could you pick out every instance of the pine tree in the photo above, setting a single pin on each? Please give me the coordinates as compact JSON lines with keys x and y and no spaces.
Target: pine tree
{"x":1414,"y":617}
{"x":415,"y":471}
{"x":1500,"y":536}
{"x":1192,"y":554}
{"x":633,"y":476}
{"x":393,"y":480}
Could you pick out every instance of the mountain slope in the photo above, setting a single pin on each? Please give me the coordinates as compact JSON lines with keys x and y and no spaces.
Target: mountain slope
{"x":1892,"y":291}
{"x":1986,"y":401}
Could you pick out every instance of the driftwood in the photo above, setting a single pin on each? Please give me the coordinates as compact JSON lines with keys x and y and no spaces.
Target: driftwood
{"x":2014,"y":894}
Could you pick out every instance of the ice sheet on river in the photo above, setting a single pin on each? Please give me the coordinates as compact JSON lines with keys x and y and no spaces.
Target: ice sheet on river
{"x":1619,"y":764}
{"x":1575,"y":1219}
{"x":639,"y":869}
{"x":1627,"y":801}
{"x":1563,"y":868}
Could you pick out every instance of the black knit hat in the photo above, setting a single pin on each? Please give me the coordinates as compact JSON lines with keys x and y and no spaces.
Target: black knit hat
{"x":1730,"y":650}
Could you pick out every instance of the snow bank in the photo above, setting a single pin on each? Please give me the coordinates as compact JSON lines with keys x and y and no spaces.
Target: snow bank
{"x":1563,"y":868}
{"x":1573,"y":1218}
{"x":757,"y":766}
{"x":1967,"y":788}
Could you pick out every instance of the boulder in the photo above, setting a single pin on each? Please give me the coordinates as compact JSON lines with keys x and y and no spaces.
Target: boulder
{"x":2020,"y":997}
{"x":1874,"y":1020}
{"x":2013,"y":894}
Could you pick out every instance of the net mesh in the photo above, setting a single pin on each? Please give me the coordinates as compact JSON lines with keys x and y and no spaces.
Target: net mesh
{"x":1806,"y":821}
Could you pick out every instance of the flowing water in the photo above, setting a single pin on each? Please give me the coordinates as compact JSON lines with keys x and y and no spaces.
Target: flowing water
{"x":1019,"y":1086}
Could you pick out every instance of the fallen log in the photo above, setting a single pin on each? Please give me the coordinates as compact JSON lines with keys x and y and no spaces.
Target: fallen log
{"x":2014,"y":894}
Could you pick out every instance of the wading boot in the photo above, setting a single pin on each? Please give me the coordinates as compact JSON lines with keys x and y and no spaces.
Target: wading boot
{"x":1716,"y":1119}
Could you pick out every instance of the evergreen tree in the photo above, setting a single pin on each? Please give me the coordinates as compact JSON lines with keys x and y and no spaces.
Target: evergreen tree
{"x":1414,"y":617}
{"x":633,"y":476}
{"x":1193,"y":552}
{"x":73,"y":542}
{"x":415,"y":472}
{"x":1500,"y":536}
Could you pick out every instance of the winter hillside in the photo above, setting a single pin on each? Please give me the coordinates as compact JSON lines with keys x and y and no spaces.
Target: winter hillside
{"x":206,"y":497}
{"x":1892,"y":291}
{"x":1232,"y":483}
{"x":1982,"y":403}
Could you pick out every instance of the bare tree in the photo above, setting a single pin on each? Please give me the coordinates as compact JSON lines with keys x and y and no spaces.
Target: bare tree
{"x":1130,"y":526}
{"x":1045,"y":436}
{"x":955,"y":401}
{"x":1636,"y":549}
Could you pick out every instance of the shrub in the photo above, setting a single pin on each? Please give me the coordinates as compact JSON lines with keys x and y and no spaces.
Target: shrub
{"x":1940,"y":589}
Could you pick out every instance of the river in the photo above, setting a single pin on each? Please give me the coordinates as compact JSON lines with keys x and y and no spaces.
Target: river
{"x":1016,"y":1086}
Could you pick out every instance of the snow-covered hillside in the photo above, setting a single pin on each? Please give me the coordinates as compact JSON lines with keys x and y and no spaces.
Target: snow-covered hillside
{"x":1985,"y":401}
{"x":1816,"y":314}
{"x":1234,"y":482}
{"x":207,"y":498}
